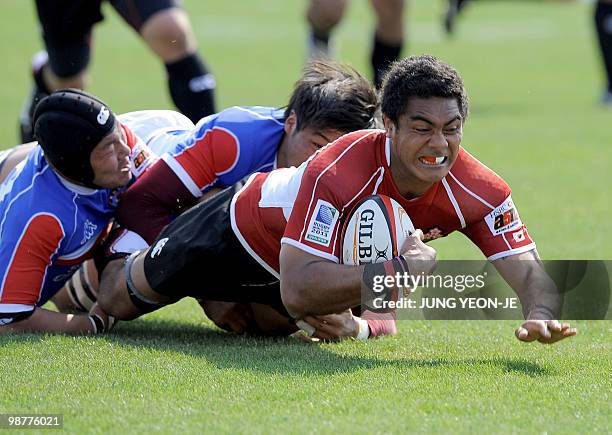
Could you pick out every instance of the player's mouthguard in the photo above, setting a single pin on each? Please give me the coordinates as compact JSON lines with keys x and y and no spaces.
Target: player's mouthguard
{"x":432,"y":160}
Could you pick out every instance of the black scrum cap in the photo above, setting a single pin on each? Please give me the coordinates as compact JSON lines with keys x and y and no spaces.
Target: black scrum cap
{"x":68,"y":125}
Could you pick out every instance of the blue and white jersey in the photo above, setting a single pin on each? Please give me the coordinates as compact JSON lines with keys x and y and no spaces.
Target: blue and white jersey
{"x":227,"y":146}
{"x":49,"y":225}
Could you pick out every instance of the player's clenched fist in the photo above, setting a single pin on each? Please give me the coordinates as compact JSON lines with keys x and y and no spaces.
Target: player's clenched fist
{"x":419,"y":257}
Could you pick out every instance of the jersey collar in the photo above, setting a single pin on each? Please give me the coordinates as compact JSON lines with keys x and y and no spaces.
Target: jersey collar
{"x":388,"y":150}
{"x":73,"y":187}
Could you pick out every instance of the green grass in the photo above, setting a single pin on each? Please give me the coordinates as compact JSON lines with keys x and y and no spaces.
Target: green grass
{"x":175,"y":375}
{"x":532,"y":72}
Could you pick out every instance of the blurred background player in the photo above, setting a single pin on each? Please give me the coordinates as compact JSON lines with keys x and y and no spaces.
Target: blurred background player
{"x":452,"y":11}
{"x":66,"y":27}
{"x":603,"y":24}
{"x":387,"y":41}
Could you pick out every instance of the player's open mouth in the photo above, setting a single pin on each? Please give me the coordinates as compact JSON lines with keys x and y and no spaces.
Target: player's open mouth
{"x":125,"y":166}
{"x":432,"y":160}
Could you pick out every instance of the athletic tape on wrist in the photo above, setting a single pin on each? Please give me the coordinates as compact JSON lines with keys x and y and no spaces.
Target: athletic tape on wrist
{"x":388,"y":268}
{"x":306,"y":327}
{"x":364,"y":329}
{"x":98,"y":323}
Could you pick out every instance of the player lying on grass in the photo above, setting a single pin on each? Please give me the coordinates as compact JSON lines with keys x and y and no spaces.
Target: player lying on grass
{"x":329,"y":100}
{"x":56,"y":204}
{"x":263,"y":231}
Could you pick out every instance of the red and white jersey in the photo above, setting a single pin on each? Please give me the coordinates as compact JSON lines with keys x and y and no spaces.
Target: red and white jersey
{"x":305,"y":206}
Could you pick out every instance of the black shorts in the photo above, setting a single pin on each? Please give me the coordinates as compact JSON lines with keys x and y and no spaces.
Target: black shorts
{"x":198,"y":255}
{"x":66,"y":27}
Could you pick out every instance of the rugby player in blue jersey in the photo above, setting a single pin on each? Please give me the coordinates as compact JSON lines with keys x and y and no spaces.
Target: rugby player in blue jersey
{"x":55,"y":206}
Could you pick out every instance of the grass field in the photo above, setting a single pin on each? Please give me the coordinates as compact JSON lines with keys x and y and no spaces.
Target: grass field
{"x":532,"y":72}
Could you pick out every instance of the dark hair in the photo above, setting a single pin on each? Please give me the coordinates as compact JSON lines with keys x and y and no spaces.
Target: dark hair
{"x":333,"y":96}
{"x":420,"y":77}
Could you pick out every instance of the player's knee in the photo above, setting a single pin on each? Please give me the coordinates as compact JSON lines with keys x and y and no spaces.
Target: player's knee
{"x":390,"y":19}
{"x":169,"y":34}
{"x":389,"y":10}
{"x":113,"y":295}
{"x":80,"y":292}
{"x":324,"y":15}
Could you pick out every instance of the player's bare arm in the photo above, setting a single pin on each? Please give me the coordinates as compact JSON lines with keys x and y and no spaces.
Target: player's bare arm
{"x":539,"y":297}
{"x":14,"y":156}
{"x":314,"y":286}
{"x":42,"y":320}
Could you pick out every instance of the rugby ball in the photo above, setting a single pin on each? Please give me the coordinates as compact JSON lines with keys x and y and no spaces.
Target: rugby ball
{"x":374,"y":231}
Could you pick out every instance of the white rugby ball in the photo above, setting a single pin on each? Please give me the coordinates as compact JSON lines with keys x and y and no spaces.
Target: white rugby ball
{"x":375,"y":230}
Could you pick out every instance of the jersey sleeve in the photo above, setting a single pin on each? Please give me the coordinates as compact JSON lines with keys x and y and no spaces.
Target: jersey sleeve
{"x":24,"y":262}
{"x":149,"y":204}
{"x":215,"y":152}
{"x":334,"y":180}
{"x":226,"y":148}
{"x":500,"y":233}
{"x":315,"y":219}
{"x":158,"y":129}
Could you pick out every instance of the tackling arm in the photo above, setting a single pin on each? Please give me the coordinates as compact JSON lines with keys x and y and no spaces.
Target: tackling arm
{"x":42,"y":320}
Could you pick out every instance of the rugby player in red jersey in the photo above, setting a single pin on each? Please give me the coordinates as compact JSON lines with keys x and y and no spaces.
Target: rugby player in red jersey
{"x":264,"y":232}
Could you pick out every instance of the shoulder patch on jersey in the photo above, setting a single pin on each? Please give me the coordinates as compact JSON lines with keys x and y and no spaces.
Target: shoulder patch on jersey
{"x":141,"y":158}
{"x":322,"y":223}
{"x":504,"y":218}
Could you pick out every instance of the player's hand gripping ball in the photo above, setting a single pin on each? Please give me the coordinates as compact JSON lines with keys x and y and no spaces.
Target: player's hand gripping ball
{"x":374,"y":232}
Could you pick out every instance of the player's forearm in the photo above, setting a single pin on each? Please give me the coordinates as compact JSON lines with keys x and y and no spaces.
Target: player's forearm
{"x":541,"y":299}
{"x":538,"y":293}
{"x":320,"y":287}
{"x":43,"y":320}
